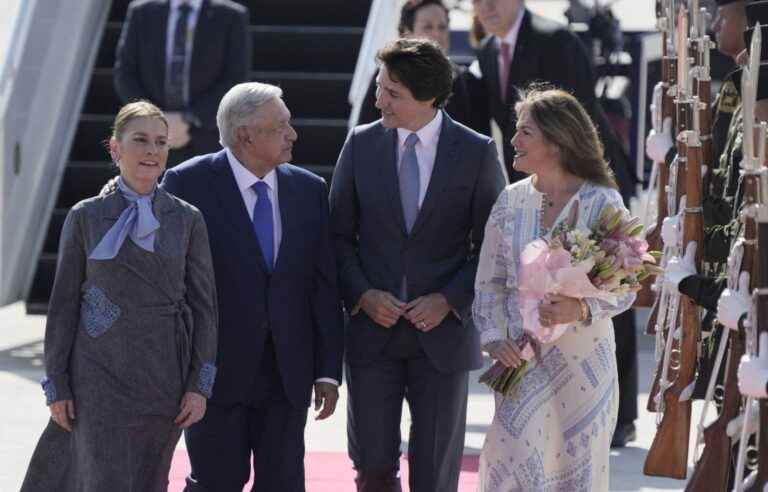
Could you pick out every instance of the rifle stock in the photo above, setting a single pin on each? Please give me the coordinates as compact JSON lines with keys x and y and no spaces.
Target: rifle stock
{"x":668,"y":455}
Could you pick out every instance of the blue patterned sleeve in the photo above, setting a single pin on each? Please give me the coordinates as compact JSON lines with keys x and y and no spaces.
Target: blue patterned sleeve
{"x":201,"y":298}
{"x":601,"y":309}
{"x":492,"y":292}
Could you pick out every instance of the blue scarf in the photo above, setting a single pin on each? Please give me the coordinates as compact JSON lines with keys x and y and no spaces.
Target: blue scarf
{"x":137,"y":221}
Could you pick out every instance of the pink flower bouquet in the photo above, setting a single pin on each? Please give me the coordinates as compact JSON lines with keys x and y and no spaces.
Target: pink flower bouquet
{"x":605,"y":264}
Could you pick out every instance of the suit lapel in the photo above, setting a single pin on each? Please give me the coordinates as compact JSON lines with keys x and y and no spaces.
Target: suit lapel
{"x":204,"y":31}
{"x":161,"y":27}
{"x":231,"y":201}
{"x":490,"y":69}
{"x":524,"y":67}
{"x":386,"y":147}
{"x":288,"y":199}
{"x":442,"y":172}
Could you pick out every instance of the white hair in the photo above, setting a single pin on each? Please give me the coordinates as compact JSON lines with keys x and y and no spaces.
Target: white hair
{"x":239,"y":106}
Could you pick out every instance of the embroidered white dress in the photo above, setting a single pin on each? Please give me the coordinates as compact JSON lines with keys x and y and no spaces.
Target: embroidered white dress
{"x":554,"y":432}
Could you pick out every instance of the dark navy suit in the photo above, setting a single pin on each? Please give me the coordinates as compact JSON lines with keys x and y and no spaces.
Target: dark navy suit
{"x":375,"y":251}
{"x":279,"y":332}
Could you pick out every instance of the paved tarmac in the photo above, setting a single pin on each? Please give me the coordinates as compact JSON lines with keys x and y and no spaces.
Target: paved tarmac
{"x":23,"y":413}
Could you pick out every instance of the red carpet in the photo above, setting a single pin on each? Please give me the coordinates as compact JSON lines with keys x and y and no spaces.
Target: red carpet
{"x":329,"y":472}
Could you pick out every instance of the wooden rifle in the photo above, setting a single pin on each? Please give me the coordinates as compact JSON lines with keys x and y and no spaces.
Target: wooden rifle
{"x":665,"y":24}
{"x":703,"y":82}
{"x":754,"y":456}
{"x":712,"y":470}
{"x":668,"y":455}
{"x":665,"y":310}
{"x":754,"y":150}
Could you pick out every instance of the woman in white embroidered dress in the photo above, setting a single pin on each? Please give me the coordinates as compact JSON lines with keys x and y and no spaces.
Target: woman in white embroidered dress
{"x":553,"y":432}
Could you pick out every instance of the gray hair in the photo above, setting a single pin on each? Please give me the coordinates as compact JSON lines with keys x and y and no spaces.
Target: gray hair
{"x":239,"y":106}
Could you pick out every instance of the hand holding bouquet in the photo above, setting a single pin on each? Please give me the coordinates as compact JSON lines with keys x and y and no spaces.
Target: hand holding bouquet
{"x":607,"y":263}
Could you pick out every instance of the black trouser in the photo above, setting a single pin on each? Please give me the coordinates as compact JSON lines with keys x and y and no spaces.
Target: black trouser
{"x":626,"y":359}
{"x":269,"y":427}
{"x":438,"y":406}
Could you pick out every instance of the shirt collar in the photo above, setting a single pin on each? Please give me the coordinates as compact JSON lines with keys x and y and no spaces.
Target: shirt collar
{"x":195,"y":4}
{"x":511,"y":37}
{"x":427,"y":134}
{"x":244,"y":178}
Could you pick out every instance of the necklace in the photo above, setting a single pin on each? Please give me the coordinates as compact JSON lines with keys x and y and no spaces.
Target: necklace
{"x":546,"y":201}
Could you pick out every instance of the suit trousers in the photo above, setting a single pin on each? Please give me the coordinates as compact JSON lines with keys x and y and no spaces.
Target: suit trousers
{"x":626,"y":359}
{"x":438,"y":406}
{"x":267,"y":427}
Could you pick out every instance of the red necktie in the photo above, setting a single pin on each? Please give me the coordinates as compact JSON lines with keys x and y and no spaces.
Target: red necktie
{"x":504,"y":69}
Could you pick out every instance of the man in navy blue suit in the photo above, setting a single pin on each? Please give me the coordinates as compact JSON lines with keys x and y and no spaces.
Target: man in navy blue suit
{"x":280,"y":328}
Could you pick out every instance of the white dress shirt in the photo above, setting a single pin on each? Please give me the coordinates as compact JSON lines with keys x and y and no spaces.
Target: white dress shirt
{"x":510,"y":38}
{"x":245,"y":180}
{"x":173,"y":14}
{"x":426,"y":150}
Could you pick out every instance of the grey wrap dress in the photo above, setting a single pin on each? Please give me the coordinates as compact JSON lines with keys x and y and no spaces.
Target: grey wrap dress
{"x":125,"y":339}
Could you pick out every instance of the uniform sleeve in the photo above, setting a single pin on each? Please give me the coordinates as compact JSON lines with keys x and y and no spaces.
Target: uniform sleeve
{"x":600,"y":309}
{"x":490,"y":313}
{"x":201,"y":299}
{"x":64,"y":309}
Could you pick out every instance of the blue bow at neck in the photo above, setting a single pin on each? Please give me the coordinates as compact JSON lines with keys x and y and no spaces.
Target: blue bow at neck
{"x":137,"y":221}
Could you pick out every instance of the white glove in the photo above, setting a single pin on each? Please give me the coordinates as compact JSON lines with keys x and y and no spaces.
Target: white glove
{"x":658,"y":143}
{"x":657,"y":102}
{"x":670,"y":231}
{"x":753,"y":371}
{"x":680,"y":268}
{"x":734,"y":303}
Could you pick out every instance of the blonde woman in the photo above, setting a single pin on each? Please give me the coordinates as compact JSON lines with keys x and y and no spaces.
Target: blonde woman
{"x":554,"y":431}
{"x":130,"y":341}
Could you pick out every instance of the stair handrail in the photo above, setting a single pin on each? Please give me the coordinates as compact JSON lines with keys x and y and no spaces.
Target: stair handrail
{"x":380,"y":28}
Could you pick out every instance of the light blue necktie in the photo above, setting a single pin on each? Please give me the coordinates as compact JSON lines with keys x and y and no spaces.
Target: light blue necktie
{"x":408,"y":178}
{"x":263,"y":223}
{"x":409,"y":181}
{"x":137,"y":222}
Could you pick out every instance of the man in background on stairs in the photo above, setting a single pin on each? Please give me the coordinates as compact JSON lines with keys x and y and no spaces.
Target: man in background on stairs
{"x":183,"y":55}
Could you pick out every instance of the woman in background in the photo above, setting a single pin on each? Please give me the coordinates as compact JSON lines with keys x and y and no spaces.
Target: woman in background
{"x":130,"y":340}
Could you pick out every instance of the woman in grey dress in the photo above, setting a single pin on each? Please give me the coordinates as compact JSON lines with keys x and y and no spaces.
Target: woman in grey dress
{"x":130,"y":342}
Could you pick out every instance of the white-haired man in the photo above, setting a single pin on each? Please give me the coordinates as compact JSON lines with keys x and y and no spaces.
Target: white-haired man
{"x":279,"y":314}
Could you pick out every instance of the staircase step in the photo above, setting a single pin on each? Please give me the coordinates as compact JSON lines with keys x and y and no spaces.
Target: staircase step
{"x":312,"y":95}
{"x":316,"y":12}
{"x":319,"y":141}
{"x":42,"y":284}
{"x":83,"y":180}
{"x":307,"y":48}
{"x":105,"y":58}
{"x":51,"y":244}
{"x":317,"y":95}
